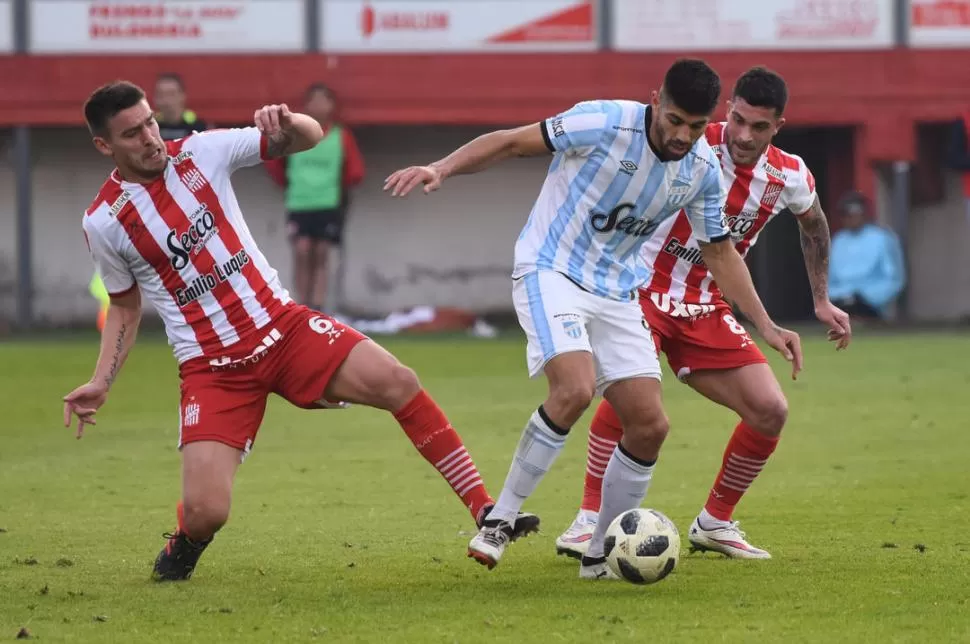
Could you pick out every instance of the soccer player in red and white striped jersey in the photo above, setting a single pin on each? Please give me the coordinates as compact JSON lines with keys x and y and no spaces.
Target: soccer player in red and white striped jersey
{"x":693,"y":325}
{"x":167,"y":224}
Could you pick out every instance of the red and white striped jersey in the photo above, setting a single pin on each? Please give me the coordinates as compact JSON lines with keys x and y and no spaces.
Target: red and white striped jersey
{"x":182,"y":239}
{"x":778,"y":181}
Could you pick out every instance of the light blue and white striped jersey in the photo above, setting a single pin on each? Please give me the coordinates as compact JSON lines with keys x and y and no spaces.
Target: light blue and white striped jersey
{"x":607,"y":192}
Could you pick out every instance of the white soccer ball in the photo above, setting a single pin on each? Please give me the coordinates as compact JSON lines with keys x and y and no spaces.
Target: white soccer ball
{"x":642,"y":546}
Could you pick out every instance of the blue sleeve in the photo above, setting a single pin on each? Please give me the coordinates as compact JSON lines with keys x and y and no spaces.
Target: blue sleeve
{"x":705,"y":210}
{"x":838,"y":288}
{"x":893,"y":267}
{"x":581,"y":127}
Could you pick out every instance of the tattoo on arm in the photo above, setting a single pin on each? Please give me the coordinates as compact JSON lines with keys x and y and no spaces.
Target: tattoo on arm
{"x":116,"y":358}
{"x":279,"y":143}
{"x":814,"y":232}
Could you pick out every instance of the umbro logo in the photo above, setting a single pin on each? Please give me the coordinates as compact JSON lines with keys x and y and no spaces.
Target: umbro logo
{"x":628,"y":167}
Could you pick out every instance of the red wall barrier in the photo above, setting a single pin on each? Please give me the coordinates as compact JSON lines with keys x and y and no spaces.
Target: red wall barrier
{"x":884,"y":94}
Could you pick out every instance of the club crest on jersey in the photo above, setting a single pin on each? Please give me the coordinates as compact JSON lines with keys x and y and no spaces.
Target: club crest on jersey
{"x":572,"y":326}
{"x":677,"y":193}
{"x":189,"y":242}
{"x":772,"y":192}
{"x":193,"y":180}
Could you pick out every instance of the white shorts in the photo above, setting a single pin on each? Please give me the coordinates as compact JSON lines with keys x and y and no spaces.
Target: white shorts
{"x":559,"y":317}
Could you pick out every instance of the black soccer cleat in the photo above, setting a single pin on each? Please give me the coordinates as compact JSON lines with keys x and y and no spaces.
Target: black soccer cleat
{"x":178,"y":558}
{"x":526,"y":523}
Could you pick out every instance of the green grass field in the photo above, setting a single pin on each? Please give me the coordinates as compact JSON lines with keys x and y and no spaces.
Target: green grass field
{"x":341,"y":532}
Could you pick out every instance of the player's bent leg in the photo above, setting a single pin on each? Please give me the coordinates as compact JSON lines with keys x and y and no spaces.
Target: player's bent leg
{"x":639,"y":406}
{"x":572,"y":384}
{"x":208,"y":469}
{"x":753,"y":392}
{"x":372,"y":376}
{"x":604,"y":433}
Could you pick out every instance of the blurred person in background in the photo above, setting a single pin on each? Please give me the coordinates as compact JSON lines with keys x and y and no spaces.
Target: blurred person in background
{"x":317,"y":184}
{"x":866,"y":272}
{"x":175,"y":120}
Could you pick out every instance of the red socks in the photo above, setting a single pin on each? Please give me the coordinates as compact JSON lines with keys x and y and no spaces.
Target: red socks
{"x":437,"y":441}
{"x":745,"y":456}
{"x":604,"y":433}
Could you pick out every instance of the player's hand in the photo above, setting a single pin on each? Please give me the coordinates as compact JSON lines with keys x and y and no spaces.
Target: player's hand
{"x":788,"y":344}
{"x":83,"y":402}
{"x":404,"y":181}
{"x":272,"y":119}
{"x":837,"y":320}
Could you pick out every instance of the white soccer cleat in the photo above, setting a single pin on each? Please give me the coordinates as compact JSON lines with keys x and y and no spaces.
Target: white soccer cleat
{"x":489,"y":544}
{"x":595,"y":568}
{"x":726,"y":538}
{"x":574,"y":542}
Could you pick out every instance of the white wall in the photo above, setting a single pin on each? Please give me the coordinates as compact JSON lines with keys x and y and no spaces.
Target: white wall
{"x":453,"y":248}
{"x":939,"y":237}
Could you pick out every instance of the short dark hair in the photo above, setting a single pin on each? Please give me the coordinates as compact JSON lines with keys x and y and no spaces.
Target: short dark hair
{"x":171,"y":76}
{"x":320,"y":88}
{"x":761,"y":87}
{"x":106,"y":101}
{"x":853,"y":201}
{"x":693,"y":86}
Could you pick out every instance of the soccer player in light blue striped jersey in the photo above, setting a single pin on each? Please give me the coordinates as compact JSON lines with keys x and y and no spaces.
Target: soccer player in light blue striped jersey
{"x":619,"y":168}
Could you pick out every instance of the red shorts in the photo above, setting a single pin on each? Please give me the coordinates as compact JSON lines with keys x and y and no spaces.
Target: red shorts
{"x":696,"y":337}
{"x":294,"y":356}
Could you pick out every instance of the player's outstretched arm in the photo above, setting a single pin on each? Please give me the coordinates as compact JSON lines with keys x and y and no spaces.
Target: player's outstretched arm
{"x":732,"y":276}
{"x":287,"y":132}
{"x":816,"y":242}
{"x":117,"y":338}
{"x":475,"y":156}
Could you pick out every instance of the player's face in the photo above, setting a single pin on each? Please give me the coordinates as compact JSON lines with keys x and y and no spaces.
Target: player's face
{"x":673,"y":130}
{"x":134,"y":143}
{"x":749,"y":130}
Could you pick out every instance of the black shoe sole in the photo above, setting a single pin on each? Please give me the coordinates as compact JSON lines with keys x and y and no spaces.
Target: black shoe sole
{"x":526,"y":525}
{"x":572,"y":554}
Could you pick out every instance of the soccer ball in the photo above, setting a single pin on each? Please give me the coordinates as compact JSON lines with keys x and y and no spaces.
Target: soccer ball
{"x":642,"y":546}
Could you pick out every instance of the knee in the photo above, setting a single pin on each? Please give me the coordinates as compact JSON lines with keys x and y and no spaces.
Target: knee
{"x":203,"y":517}
{"x":644,"y":435}
{"x":399,"y":384}
{"x":768,"y":417}
{"x":570,"y":399}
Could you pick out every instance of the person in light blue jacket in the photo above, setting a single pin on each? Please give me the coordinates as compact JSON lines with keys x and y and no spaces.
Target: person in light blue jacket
{"x":866,"y":270}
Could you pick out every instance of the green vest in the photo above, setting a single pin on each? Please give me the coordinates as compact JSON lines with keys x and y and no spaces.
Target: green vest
{"x":314,"y":176}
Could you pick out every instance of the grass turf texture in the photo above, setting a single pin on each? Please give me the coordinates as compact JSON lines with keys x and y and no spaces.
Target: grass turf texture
{"x":341,"y":532}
